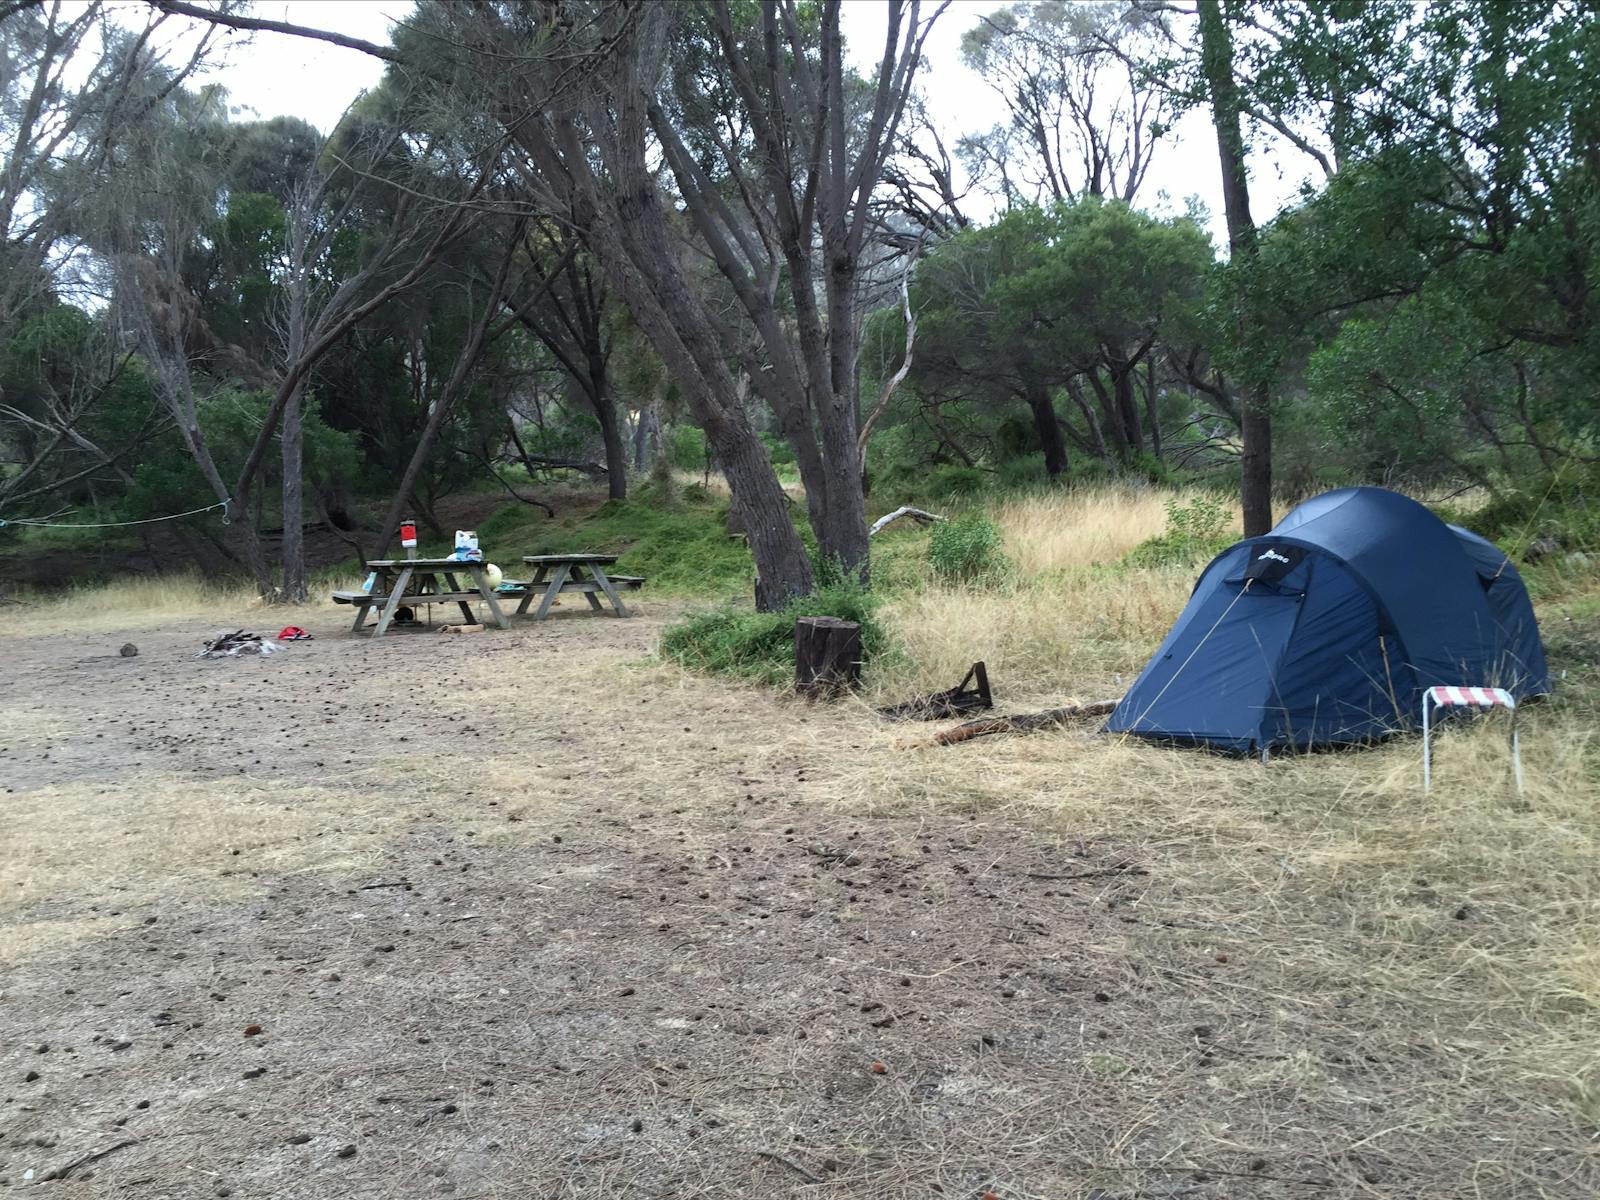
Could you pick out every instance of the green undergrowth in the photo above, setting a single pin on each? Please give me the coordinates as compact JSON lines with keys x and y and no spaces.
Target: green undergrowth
{"x":680,"y":544}
{"x":966,"y":548}
{"x":1196,"y":533}
{"x":1541,"y":518}
{"x":735,"y":640}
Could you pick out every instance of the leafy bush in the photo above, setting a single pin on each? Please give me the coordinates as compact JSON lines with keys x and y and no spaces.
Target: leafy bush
{"x":1564,"y":507}
{"x":1195,"y":532}
{"x":966,"y":548}
{"x":660,"y":487}
{"x":760,"y":646}
{"x":951,"y":482}
{"x":778,"y":449}
{"x":686,"y":447}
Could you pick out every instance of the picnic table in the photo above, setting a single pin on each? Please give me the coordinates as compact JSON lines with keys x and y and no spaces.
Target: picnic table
{"x":585,"y":573}
{"x":413,"y":581}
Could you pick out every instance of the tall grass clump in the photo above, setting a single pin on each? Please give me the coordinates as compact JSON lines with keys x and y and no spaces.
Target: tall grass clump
{"x":1078,"y":527}
{"x":966,"y":549}
{"x":760,"y":645}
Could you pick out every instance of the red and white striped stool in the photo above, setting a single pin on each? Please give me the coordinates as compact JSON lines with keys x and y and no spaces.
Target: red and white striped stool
{"x":1481,"y":698}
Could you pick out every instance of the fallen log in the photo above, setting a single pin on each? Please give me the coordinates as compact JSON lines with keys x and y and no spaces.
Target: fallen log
{"x":916,"y":514}
{"x":1021,"y":723}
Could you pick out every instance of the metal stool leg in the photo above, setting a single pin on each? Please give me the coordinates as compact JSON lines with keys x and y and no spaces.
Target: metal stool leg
{"x":1516,"y":751}
{"x":1427,"y":756}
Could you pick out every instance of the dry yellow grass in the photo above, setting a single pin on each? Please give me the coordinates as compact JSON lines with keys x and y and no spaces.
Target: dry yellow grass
{"x":1082,"y":526}
{"x":1064,"y":619}
{"x":1471,"y":910}
{"x":135,"y":603}
{"x":1072,"y":635}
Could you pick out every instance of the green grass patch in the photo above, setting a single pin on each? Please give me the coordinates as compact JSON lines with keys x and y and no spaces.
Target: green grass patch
{"x":681,"y":545}
{"x":760,"y":646}
{"x":966,"y":548}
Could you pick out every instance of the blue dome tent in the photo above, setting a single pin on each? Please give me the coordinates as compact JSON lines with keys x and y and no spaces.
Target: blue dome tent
{"x":1326,"y":631}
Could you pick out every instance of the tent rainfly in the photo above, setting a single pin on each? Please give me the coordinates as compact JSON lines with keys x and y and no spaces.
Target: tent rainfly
{"x":1327,"y":631}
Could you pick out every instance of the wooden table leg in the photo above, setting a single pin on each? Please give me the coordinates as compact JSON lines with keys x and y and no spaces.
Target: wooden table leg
{"x":481,"y":578}
{"x":380,"y":579}
{"x":396,"y":590}
{"x":528,"y":592}
{"x":552,"y":591}
{"x":577,"y":577}
{"x":604,"y":581}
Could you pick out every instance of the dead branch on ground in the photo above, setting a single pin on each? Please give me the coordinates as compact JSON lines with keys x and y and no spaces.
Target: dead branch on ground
{"x":1021,"y":723}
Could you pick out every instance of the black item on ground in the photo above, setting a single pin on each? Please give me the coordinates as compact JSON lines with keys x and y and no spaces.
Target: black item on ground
{"x":970,"y":694}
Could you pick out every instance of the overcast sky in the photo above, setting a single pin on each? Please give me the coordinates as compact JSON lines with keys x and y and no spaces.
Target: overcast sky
{"x":269,"y":74}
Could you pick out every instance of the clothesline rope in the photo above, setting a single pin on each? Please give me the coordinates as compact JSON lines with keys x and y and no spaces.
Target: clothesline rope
{"x":193,"y":512}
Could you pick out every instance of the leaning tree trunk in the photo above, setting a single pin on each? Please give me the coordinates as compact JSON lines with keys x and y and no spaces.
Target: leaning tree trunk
{"x":471,"y":350}
{"x":293,"y":550}
{"x":782,"y":569}
{"x":605,"y":412}
{"x":241,"y":522}
{"x":1255,"y":427}
{"x":1048,"y":428}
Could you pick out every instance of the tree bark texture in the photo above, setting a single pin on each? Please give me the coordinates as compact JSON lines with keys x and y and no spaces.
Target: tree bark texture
{"x":1216,"y":54}
{"x":622,"y":221}
{"x":1049,"y":430}
{"x":292,"y":553}
{"x":827,"y":656}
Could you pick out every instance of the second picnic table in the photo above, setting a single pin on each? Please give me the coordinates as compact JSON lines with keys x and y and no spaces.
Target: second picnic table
{"x":585,"y":573}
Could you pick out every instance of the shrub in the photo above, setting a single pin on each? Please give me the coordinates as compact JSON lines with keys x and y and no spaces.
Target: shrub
{"x":778,"y":449}
{"x":1564,"y":507}
{"x":660,"y":487}
{"x":951,"y":482}
{"x":686,"y":447}
{"x":760,"y":646}
{"x":966,"y":548}
{"x":681,"y":548}
{"x":1195,"y":532}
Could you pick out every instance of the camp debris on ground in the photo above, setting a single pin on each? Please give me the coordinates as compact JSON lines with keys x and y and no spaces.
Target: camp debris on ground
{"x":231,"y":645}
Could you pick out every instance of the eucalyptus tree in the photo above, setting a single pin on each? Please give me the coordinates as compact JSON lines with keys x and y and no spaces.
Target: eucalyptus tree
{"x":580,"y":91}
{"x":1068,"y":302}
{"x":565,"y":305}
{"x":1083,"y":119}
{"x":76,"y":80}
{"x":778,"y":154}
{"x":1457,"y":244}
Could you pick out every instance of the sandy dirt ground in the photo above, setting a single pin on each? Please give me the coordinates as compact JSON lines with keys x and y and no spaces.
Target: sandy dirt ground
{"x":526,"y":914}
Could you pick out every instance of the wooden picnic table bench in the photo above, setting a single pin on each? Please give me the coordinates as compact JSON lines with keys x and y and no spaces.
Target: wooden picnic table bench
{"x":584,"y":573}
{"x":421,"y":581}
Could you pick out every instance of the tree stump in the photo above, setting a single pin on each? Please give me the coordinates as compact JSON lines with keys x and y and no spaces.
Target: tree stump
{"x":827,"y":656}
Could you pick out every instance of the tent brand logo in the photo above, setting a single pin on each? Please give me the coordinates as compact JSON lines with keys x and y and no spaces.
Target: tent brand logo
{"x":1274,"y":556}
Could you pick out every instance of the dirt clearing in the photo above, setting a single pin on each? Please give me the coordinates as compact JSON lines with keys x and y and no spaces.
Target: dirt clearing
{"x":527,"y":915}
